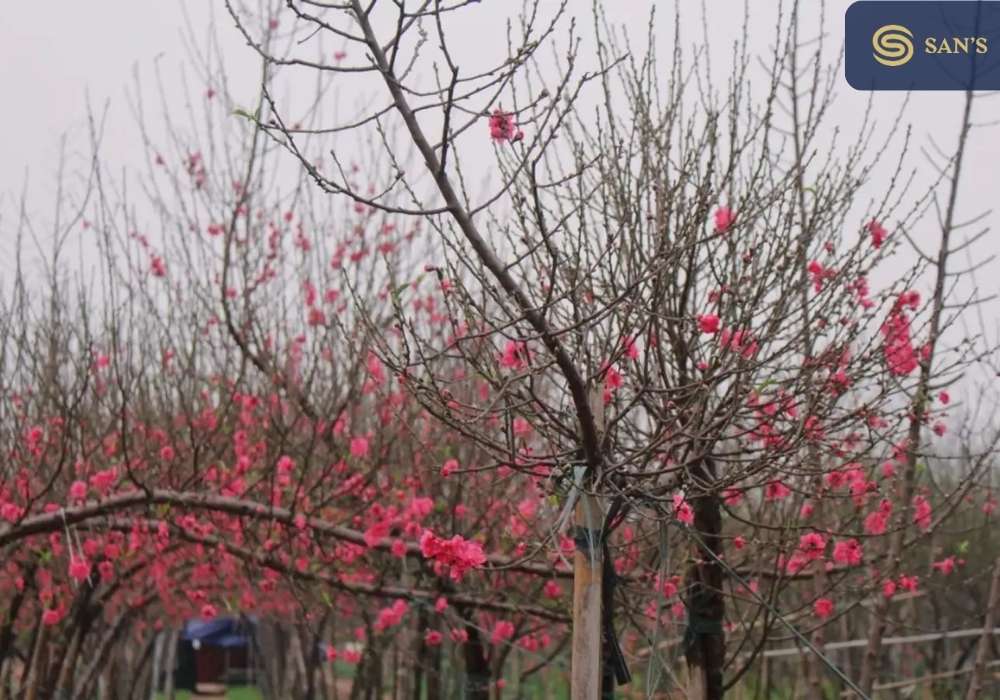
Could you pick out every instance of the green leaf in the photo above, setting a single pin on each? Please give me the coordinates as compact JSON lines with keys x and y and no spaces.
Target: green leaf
{"x":240,"y":112}
{"x":963,"y":546}
{"x":398,"y":291}
{"x":762,"y":387}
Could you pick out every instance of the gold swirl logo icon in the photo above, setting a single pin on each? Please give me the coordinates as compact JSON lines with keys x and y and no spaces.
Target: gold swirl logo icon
{"x":893,"y":45}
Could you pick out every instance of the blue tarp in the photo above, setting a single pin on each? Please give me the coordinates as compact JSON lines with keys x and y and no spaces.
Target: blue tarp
{"x":228,"y":641}
{"x":220,"y":632}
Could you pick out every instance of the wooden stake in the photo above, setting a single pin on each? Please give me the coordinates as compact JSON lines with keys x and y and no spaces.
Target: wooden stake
{"x":587,"y":579}
{"x":587,"y":585}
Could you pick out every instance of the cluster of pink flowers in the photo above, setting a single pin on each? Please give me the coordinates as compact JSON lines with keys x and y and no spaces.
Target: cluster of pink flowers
{"x":359,"y":446}
{"x":847,"y":552}
{"x":515,"y":355}
{"x":823,"y":608}
{"x":812,"y":545}
{"x":454,"y":556}
{"x":104,"y":480}
{"x":878,"y":233}
{"x":157,"y":267}
{"x":79,"y":568}
{"x":740,"y":341}
{"x":877,"y":521}
{"x":907,"y":583}
{"x":945,"y":566}
{"x":724,"y":218}
{"x":900,"y":355}
{"x":552,"y":589}
{"x":503,"y":127}
{"x":776,"y":491}
{"x":502,"y":631}
{"x":855,"y":478}
{"x":78,"y":491}
{"x":922,"y":512}
{"x":195,"y":166}
{"x":449,"y":467}
{"x":391,"y":616}
{"x":708,"y":323}
{"x":861,"y":289}
{"x":682,"y":510}
{"x":819,"y":274}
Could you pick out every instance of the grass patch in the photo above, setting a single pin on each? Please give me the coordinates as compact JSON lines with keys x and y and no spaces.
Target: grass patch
{"x":236,"y":693}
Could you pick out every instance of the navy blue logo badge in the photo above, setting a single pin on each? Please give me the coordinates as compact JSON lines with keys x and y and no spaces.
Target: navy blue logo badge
{"x":923,"y":45}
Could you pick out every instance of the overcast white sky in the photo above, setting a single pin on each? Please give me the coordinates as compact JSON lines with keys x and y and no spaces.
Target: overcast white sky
{"x":52,"y":55}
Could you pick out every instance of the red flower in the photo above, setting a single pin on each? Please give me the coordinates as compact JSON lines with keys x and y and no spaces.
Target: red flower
{"x":449,"y":467}
{"x":945,"y":566}
{"x":889,"y":589}
{"x":847,"y":552}
{"x":79,"y":568}
{"x":724,"y":218}
{"x":776,"y":491}
{"x":392,"y":615}
{"x":682,"y":510}
{"x":552,"y":589}
{"x":78,"y":490}
{"x":819,"y":273}
{"x":708,"y":323}
{"x":812,"y":545}
{"x":877,"y":232}
{"x":823,"y":608}
{"x":515,"y":355}
{"x":456,"y":555}
{"x":921,"y":512}
{"x":502,"y":631}
{"x":359,"y":446}
{"x":503,"y":127}
{"x":157,"y":267}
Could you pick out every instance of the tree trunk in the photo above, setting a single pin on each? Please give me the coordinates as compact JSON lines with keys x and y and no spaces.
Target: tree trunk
{"x":168,"y":663}
{"x":421,"y":655}
{"x":477,"y":666}
{"x":139,"y":668}
{"x":705,"y":644}
{"x":982,"y":653}
{"x":154,"y":685}
{"x":294,"y":666}
{"x":37,"y":662}
{"x":433,"y":663}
